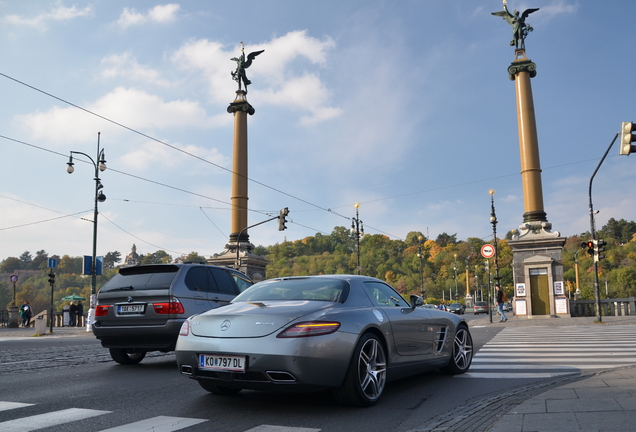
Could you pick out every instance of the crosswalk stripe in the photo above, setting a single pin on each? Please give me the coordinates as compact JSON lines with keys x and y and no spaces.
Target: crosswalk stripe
{"x":4,"y":406}
{"x":55,"y":418}
{"x":271,"y":428}
{"x":541,"y":352}
{"x":157,"y":424}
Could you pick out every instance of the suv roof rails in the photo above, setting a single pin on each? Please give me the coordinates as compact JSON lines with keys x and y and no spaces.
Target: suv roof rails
{"x":195,"y":262}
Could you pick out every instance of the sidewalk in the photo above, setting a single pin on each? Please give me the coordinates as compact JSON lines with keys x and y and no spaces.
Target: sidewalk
{"x":57,"y":331}
{"x":604,"y":401}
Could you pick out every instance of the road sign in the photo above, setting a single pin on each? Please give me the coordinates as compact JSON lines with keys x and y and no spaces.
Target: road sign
{"x":488,"y":251}
{"x":52,"y":263}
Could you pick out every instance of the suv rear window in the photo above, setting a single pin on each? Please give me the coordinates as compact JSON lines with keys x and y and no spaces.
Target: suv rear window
{"x":142,"y":278}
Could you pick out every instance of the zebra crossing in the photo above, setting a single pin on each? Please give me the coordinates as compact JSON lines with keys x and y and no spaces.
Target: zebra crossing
{"x":57,"y":419}
{"x":544,"y":352}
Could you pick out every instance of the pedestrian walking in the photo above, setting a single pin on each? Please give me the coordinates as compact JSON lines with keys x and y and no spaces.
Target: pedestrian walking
{"x":26,"y":313}
{"x":72,"y":310}
{"x":501,"y":300}
{"x":80,"y":313}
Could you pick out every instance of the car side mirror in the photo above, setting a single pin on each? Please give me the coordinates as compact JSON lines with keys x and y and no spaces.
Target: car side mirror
{"x":416,"y":301}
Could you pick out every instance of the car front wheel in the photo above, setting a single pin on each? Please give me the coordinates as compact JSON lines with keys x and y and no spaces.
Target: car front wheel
{"x":462,"y":355}
{"x":366,"y":376}
{"x":127,"y":356}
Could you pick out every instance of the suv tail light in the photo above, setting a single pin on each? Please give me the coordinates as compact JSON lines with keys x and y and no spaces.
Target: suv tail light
{"x":101,"y":310}
{"x":172,"y":307}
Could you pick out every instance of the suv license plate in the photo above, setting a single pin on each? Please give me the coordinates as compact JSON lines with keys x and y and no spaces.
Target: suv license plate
{"x":224,"y":363}
{"x":130,"y":309}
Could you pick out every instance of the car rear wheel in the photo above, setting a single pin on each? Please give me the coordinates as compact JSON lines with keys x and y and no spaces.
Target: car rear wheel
{"x":127,"y":356}
{"x":217,"y":389}
{"x":366,"y":376}
{"x":462,"y":355}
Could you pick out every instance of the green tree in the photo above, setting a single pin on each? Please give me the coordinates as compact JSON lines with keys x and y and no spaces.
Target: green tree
{"x":26,"y":259}
{"x":11,"y":264}
{"x":445,"y":239}
{"x":111,"y":259}
{"x":162,"y":257}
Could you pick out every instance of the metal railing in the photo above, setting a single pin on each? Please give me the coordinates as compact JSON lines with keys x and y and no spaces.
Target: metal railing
{"x":58,"y":319}
{"x":609,"y":307}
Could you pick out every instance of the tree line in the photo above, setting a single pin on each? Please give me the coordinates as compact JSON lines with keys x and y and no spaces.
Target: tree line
{"x":435,"y":269}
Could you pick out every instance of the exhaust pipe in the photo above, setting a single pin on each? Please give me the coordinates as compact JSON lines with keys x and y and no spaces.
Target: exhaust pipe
{"x":186,"y":370}
{"x":280,"y":377}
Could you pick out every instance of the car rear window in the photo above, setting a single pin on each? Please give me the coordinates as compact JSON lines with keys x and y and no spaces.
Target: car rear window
{"x":317,"y":289}
{"x":141,"y":278}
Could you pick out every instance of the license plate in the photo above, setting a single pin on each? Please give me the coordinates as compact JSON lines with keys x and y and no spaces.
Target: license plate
{"x":130,"y":309}
{"x":224,"y":363}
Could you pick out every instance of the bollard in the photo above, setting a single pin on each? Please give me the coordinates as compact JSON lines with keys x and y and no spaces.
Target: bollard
{"x":40,"y":326}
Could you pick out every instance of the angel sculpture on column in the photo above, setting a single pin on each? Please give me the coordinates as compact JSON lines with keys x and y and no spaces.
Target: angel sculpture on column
{"x":241,"y":65}
{"x":518,"y":22}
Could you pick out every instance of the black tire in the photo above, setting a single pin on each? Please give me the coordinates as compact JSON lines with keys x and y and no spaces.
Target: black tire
{"x":217,"y":389}
{"x":127,"y":356}
{"x":366,"y":376}
{"x":462,"y":355}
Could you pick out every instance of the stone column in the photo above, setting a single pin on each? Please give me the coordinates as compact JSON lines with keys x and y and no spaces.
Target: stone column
{"x":521,"y":70}
{"x":240,"y":108}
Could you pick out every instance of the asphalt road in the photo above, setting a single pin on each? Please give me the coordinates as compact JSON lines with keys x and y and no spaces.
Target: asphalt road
{"x":64,"y":373}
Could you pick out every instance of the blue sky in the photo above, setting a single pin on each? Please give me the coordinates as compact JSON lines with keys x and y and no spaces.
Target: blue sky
{"x":404,"y":107}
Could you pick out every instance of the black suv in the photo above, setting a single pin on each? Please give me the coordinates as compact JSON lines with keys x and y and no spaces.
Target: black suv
{"x":142,"y":308}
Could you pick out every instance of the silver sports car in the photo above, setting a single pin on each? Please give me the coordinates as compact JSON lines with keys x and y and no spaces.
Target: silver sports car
{"x":351,"y":334}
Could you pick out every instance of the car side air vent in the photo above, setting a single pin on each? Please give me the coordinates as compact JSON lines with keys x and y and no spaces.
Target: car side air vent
{"x":441,"y":338}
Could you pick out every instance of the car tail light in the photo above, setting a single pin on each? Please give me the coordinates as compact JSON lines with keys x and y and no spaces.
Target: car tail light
{"x":185,"y":328}
{"x":310,"y":328}
{"x":171,"y":307}
{"x":101,"y":310}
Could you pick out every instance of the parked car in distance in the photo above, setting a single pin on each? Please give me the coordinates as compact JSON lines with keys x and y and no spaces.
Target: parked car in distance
{"x":346,"y":333}
{"x":142,"y":307}
{"x":456,"y":308}
{"x":507,"y":307}
{"x":480,"y":307}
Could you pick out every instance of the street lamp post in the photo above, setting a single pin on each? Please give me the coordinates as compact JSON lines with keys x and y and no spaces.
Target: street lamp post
{"x":455,"y":267}
{"x":420,"y":255}
{"x":493,"y":221}
{"x":99,"y":163}
{"x":358,"y":229}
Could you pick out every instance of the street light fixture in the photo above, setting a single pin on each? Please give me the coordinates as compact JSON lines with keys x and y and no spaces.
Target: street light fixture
{"x":358,"y":229}
{"x":100,"y":165}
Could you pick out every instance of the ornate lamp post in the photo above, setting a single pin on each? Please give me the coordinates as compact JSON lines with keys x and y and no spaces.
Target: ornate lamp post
{"x":493,"y":221}
{"x":420,"y":255}
{"x":455,"y":267}
{"x":358,"y":229}
{"x":100,"y":165}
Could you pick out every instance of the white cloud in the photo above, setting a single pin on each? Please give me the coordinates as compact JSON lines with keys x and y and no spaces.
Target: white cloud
{"x":160,"y":14}
{"x":126,"y":66}
{"x":58,"y":13}
{"x":152,"y":154}
{"x":282,"y":78}
{"x":133,"y":108}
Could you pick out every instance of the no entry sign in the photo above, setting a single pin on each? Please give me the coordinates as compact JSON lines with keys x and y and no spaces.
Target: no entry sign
{"x":488,"y":251}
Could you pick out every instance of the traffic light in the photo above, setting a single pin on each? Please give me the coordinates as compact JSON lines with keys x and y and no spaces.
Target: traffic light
{"x":51,"y":278}
{"x":626,"y":147}
{"x":590,"y":246}
{"x":598,"y":249}
{"x":282,"y":215}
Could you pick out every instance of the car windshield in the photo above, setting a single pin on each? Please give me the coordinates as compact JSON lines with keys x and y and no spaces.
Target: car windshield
{"x":480,"y":303}
{"x":142,"y":278}
{"x":318,"y":289}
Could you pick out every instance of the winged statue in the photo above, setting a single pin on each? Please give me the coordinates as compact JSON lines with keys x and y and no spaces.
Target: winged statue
{"x":518,"y":22}
{"x":241,"y":64}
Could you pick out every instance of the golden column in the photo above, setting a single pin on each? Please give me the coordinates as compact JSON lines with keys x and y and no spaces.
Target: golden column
{"x":521,"y":70}
{"x":240,"y":108}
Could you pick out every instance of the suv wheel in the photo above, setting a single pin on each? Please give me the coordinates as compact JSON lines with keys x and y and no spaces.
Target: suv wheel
{"x":127,"y":356}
